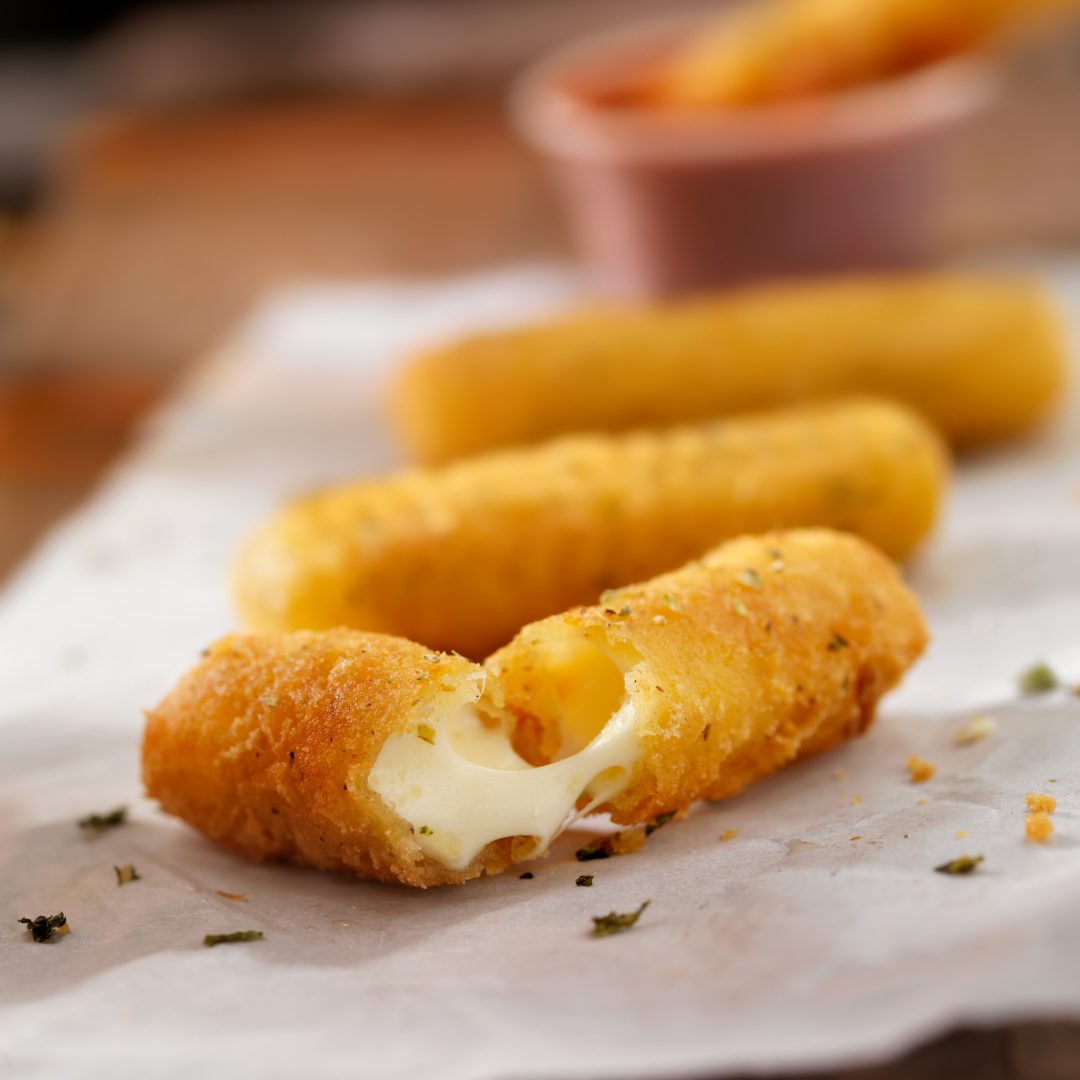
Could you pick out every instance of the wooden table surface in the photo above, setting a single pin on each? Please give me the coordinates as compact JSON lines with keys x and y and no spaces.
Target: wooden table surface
{"x":162,"y":230}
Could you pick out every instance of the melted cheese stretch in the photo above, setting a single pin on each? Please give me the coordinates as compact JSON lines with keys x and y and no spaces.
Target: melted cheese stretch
{"x":460,"y":784}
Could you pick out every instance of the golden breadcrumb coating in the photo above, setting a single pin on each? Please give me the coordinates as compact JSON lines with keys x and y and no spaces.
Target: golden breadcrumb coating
{"x":265,"y":747}
{"x":980,"y":357}
{"x":461,"y":557}
{"x":769,"y":649}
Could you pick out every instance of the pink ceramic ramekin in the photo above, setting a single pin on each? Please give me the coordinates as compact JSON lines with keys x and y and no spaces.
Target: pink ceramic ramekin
{"x":664,"y":202}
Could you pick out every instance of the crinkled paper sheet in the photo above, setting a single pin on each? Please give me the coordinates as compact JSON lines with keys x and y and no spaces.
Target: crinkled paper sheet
{"x":819,"y":937}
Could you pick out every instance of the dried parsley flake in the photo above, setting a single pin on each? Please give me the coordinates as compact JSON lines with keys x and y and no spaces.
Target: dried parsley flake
{"x":1037,"y":680}
{"x":98,"y":822}
{"x":750,"y":578}
{"x":426,"y":733}
{"x":659,"y":823}
{"x":600,"y":848}
{"x":740,"y":608}
{"x":838,"y":642}
{"x":614,"y":923}
{"x":224,"y":939}
{"x":964,"y":865}
{"x":425,"y":831}
{"x":585,"y":880}
{"x":45,"y":926}
{"x":124,"y":874}
{"x":671,"y":602}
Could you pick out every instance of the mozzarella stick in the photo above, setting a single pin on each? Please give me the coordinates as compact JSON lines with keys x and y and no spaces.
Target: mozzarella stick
{"x":461,"y":557}
{"x":358,"y":752}
{"x":266,"y":746}
{"x":981,"y":358}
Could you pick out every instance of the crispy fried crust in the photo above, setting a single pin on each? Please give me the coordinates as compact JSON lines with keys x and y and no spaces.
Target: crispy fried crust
{"x":265,"y":747}
{"x":769,"y":649}
{"x":461,"y":557}
{"x":981,"y":358}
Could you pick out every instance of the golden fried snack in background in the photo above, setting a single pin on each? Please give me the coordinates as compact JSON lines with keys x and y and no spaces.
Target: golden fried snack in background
{"x":460,"y":557}
{"x":352,"y":751}
{"x":982,"y":358}
{"x":777,"y":50}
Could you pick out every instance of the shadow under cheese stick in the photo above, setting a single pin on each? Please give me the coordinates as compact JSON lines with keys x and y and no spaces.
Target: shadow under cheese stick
{"x":982,"y":358}
{"x":359,"y":752}
{"x":459,"y":558}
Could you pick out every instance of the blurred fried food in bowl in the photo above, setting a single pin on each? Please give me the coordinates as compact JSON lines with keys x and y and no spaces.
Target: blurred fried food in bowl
{"x":788,"y":137}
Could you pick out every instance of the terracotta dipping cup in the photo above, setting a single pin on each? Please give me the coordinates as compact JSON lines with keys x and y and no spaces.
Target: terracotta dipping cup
{"x":665,"y":202}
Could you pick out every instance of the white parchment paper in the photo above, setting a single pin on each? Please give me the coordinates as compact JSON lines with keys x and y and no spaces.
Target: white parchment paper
{"x":819,"y":936}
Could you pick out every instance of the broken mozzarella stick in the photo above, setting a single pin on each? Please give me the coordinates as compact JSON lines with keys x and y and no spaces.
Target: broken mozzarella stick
{"x":462,"y":556}
{"x":982,"y":358}
{"x":353,"y":751}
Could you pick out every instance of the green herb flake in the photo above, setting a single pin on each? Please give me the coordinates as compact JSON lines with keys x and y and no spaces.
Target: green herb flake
{"x":585,"y":880}
{"x":626,"y":610}
{"x":838,"y":642}
{"x":774,"y":553}
{"x":127,"y":873}
{"x":432,"y":658}
{"x":45,"y":926}
{"x":425,"y":831}
{"x":99,"y":822}
{"x":671,"y":602}
{"x":426,"y":733}
{"x":270,"y":702}
{"x":423,"y":676}
{"x":600,"y":848}
{"x":613,"y":923}
{"x":1037,"y":680}
{"x":224,"y":939}
{"x":750,"y":578}
{"x":659,"y":823}
{"x":964,"y":865}
{"x":740,"y":609}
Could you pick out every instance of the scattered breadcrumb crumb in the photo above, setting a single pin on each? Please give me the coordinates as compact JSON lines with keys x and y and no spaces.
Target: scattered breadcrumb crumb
{"x":628,"y":842}
{"x":978,"y":727}
{"x":729,"y":834}
{"x":840,"y":774}
{"x":232,"y":895}
{"x":1036,"y":802}
{"x":1038,"y":826}
{"x":856,"y":799}
{"x":961,"y":834}
{"x":921,"y":770}
{"x":922,"y":802}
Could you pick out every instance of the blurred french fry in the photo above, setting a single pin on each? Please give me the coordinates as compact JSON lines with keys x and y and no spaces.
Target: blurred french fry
{"x":982,"y":358}
{"x":461,"y":557}
{"x":782,"y":49}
